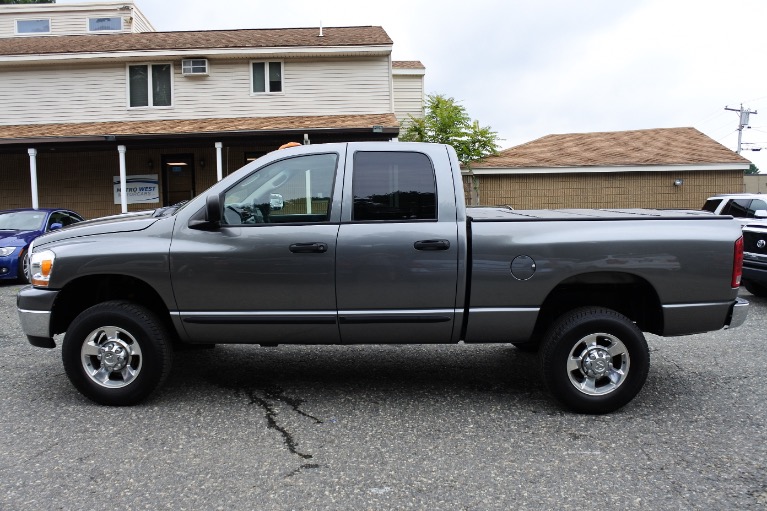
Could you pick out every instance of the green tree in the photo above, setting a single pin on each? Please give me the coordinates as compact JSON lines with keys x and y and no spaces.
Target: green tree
{"x":27,"y":1}
{"x":750,"y":171}
{"x":447,"y":122}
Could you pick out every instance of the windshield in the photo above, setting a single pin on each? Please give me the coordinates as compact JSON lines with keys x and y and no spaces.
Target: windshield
{"x":22,"y":220}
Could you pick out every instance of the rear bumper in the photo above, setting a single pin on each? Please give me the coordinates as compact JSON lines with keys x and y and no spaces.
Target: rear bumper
{"x":34,"y":307}
{"x":738,"y":313}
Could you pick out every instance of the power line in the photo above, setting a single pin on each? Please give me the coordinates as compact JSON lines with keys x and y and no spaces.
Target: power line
{"x":744,"y":116}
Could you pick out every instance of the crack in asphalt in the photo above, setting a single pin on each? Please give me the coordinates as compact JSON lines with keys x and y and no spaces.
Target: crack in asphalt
{"x":274,"y":394}
{"x":301,"y":468}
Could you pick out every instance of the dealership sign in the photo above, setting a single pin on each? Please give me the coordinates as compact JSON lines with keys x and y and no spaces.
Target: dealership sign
{"x":139,"y":189}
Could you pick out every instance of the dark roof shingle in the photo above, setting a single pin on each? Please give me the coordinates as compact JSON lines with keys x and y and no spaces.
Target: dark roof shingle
{"x":197,"y":126}
{"x":207,"y":39}
{"x":407,"y":64}
{"x":661,"y":146}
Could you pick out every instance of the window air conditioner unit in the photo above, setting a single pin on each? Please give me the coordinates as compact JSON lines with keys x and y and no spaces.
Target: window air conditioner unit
{"x":194,"y":67}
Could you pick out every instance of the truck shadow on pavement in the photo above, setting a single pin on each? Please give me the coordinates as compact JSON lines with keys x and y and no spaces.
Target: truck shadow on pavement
{"x":362,"y":370}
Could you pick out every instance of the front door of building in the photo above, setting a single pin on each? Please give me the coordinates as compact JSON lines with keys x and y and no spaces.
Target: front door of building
{"x":177,"y":178}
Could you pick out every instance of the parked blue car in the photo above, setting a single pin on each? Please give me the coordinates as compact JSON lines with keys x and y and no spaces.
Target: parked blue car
{"x":18,"y":227}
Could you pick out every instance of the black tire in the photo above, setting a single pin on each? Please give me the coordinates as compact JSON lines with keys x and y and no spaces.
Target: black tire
{"x":755,"y":288}
{"x":594,"y":360}
{"x":527,"y":347}
{"x":117,"y":353}
{"x":22,"y":273}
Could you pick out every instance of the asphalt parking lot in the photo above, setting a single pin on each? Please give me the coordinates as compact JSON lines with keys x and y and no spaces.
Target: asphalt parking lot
{"x":387,"y":427}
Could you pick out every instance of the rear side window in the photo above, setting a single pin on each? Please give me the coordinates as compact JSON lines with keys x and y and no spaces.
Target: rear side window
{"x":711,"y":205}
{"x":393,"y":186}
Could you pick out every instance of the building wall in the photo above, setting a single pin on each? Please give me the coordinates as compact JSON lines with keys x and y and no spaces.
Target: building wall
{"x":67,"y":19}
{"x":98,"y":92}
{"x":604,"y":190}
{"x":756,"y":183}
{"x":83,"y":181}
{"x":408,"y":96}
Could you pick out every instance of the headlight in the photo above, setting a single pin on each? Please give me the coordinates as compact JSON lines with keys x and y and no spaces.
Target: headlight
{"x":41,"y":266}
{"x":6,"y":251}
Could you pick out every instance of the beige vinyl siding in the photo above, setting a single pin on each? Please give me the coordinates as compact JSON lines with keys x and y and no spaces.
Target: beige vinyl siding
{"x":60,"y":94}
{"x":62,"y":23}
{"x":98,"y":92}
{"x":140,"y":23}
{"x":408,"y":96}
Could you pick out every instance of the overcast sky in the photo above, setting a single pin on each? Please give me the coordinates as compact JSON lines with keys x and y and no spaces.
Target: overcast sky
{"x":536,"y":67}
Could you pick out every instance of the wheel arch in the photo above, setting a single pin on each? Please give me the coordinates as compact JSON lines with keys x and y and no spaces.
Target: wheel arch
{"x":84,"y":292}
{"x":626,"y":293}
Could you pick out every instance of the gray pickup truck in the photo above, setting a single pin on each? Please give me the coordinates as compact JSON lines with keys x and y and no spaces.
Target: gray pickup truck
{"x":361,"y":243}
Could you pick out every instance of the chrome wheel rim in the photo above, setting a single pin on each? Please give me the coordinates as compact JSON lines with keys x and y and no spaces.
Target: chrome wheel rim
{"x":111,"y":357}
{"x":598,"y":364}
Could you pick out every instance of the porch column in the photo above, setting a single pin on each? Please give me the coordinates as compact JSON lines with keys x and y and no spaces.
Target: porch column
{"x":219,"y":162}
{"x":33,"y":176}
{"x":123,"y":179}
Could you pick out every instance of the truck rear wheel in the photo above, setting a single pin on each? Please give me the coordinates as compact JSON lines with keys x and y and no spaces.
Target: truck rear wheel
{"x":594,"y":360}
{"x":117,"y":353}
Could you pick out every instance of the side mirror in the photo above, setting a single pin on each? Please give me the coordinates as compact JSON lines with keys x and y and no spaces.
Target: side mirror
{"x":213,"y":209}
{"x":760,"y":213}
{"x":57,"y":225}
{"x":208,"y":218}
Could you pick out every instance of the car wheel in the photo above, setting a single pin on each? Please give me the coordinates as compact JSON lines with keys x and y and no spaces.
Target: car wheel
{"x":117,"y":353}
{"x":23,"y":267}
{"x":594,"y":360}
{"x":755,"y":289}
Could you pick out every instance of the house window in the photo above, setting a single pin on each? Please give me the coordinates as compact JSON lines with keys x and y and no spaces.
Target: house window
{"x":150,"y":85}
{"x":266,"y":77}
{"x":41,"y":26}
{"x":105,"y":24}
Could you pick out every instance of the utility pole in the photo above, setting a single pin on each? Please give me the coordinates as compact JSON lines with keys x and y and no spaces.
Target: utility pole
{"x":744,"y":114}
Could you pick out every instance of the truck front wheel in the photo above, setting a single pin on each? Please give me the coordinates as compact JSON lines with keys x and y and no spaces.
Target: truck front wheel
{"x":116,"y":353}
{"x":594,"y":360}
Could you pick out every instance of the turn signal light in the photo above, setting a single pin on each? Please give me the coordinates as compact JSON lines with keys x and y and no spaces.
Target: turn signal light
{"x":41,"y":267}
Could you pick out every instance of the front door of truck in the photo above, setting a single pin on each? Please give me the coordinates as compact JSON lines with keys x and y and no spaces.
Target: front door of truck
{"x":268,"y":274}
{"x":397,"y":256}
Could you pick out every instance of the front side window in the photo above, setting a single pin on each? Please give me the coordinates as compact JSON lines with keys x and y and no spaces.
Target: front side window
{"x":295,"y":190}
{"x":41,"y":26}
{"x":393,"y":186}
{"x":737,"y":208}
{"x":266,"y":77}
{"x":105,"y":24}
{"x":150,"y":85}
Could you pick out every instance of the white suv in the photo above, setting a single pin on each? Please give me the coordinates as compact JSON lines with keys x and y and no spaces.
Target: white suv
{"x":744,"y":207}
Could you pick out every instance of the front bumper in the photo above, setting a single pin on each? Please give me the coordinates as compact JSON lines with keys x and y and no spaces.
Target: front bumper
{"x":755,"y":271}
{"x":9,"y":266}
{"x":34,"y":307}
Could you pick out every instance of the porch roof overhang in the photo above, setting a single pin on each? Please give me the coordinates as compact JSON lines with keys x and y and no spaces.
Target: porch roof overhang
{"x":194,"y":132}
